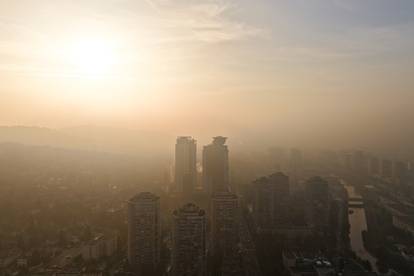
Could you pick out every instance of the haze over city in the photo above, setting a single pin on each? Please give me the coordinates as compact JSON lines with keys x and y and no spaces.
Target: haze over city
{"x":206,"y":138}
{"x":263,"y":70}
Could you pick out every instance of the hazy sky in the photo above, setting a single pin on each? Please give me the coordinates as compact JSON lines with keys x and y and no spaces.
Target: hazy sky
{"x":295,"y":67}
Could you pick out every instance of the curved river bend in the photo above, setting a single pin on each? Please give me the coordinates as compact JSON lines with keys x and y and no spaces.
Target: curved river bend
{"x":358,"y":223}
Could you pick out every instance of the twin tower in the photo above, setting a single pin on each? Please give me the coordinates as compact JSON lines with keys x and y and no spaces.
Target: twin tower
{"x":215,"y":172}
{"x":191,"y":242}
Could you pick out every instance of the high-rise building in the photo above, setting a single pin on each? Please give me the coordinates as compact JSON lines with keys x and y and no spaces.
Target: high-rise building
{"x":296,"y":167}
{"x":278,"y":159}
{"x":224,"y":214}
{"x":400,"y":169}
{"x":296,"y":158}
{"x":189,"y":241}
{"x":216,"y":166}
{"x":386,"y":171}
{"x":225,"y":233}
{"x":185,"y":164}
{"x":374,"y":166}
{"x":318,"y":204}
{"x":144,"y":233}
{"x":348,"y":162}
{"x":271,"y":195}
{"x":358,"y":161}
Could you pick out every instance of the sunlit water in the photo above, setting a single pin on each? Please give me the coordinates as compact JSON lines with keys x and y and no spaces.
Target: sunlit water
{"x":358,"y":223}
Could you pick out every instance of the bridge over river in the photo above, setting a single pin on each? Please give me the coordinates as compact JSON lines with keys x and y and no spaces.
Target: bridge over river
{"x":355,"y":202}
{"x":358,"y":223}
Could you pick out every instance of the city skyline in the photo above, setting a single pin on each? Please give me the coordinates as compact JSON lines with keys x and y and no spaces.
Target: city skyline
{"x":206,"y":138}
{"x":89,"y":212}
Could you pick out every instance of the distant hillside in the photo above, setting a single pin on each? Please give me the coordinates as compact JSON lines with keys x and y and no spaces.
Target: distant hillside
{"x":28,"y":165}
{"x":38,"y":136}
{"x":115,"y":140}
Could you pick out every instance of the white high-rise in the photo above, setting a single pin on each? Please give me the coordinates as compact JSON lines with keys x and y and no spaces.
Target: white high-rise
{"x":185,"y":164}
{"x":216,"y":166}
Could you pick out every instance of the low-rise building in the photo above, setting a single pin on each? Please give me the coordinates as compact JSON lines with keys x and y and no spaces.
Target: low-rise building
{"x":100,"y":246}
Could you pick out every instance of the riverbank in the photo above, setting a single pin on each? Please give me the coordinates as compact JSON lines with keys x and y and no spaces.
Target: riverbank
{"x":358,"y":224}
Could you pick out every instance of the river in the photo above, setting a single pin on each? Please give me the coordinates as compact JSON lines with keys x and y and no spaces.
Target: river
{"x":358,"y":223}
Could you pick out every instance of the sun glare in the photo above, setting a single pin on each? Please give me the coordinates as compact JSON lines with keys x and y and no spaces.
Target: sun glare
{"x":99,"y":72}
{"x":92,"y":57}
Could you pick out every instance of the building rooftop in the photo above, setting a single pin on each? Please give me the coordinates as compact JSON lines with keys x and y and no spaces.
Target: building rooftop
{"x":219,"y":140}
{"x":224,"y":195}
{"x":271,"y":178}
{"x":185,"y":139}
{"x":189,"y":209}
{"x":144,"y":196}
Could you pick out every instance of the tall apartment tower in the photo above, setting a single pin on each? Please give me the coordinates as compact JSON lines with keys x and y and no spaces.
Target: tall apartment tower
{"x":271,"y":195}
{"x":278,"y":159}
{"x":216,"y":166}
{"x":225,"y":215}
{"x":374,"y":165}
{"x":225,"y":233}
{"x":387,"y":171}
{"x":296,"y":167}
{"x":359,"y":161}
{"x":189,"y":241}
{"x":348,"y":162}
{"x":296,"y":159}
{"x":318,"y":204}
{"x":400,"y":169}
{"x":144,"y":233}
{"x":185,"y":164}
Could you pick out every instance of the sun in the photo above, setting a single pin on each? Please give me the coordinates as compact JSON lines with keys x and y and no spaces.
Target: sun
{"x":92,"y":56}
